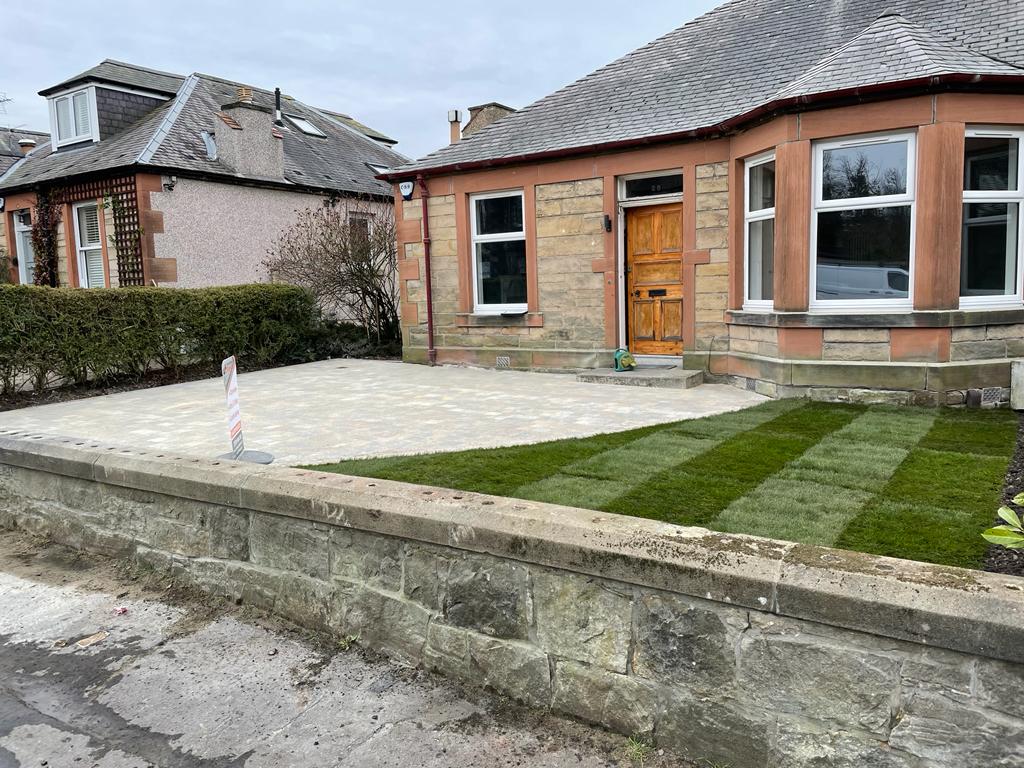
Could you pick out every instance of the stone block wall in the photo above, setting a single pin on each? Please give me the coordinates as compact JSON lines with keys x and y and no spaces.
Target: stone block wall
{"x":63,"y":275}
{"x":567,"y":328}
{"x":900,"y":365}
{"x":110,"y":249}
{"x":711,"y":280}
{"x":987,"y":342}
{"x":735,"y":650}
{"x":570,"y":236}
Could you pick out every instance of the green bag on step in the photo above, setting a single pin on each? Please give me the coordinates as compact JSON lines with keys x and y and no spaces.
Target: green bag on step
{"x":624,"y":361}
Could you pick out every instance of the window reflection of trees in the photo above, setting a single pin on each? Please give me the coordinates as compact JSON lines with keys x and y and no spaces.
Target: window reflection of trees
{"x":855,"y":177}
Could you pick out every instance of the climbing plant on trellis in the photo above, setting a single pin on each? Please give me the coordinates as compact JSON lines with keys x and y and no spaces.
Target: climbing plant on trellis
{"x":120,"y":196}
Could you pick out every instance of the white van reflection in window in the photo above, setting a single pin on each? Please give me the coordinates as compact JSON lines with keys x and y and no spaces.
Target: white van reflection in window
{"x":840,"y":281}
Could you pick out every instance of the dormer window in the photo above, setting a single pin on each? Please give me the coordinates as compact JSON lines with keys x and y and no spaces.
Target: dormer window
{"x":305,"y":126}
{"x":73,"y":117}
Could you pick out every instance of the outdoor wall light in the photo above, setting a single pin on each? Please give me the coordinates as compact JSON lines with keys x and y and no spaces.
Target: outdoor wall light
{"x":607,"y":223}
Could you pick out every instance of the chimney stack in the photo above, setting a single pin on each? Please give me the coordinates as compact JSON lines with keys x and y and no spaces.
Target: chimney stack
{"x":247,"y":141}
{"x":483,"y":115}
{"x":455,"y":124}
{"x":26,"y":145}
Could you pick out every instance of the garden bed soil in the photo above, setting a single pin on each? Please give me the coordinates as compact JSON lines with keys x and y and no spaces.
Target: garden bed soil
{"x":1000,"y":559}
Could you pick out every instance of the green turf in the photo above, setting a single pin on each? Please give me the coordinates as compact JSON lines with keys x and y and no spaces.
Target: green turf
{"x":911,"y":483}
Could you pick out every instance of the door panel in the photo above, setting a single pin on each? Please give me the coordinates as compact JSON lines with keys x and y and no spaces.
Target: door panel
{"x":643,"y":320}
{"x":672,"y":319}
{"x":654,"y":252}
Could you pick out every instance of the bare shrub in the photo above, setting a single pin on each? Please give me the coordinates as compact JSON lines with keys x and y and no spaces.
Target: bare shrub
{"x":345,"y":253}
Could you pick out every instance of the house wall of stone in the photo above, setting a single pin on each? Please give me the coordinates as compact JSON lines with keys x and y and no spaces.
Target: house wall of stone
{"x":110,"y":245}
{"x":929,"y":353}
{"x":729,"y":650}
{"x":711,"y":279}
{"x":219,"y":234}
{"x":566,"y":329}
{"x":65,"y":249}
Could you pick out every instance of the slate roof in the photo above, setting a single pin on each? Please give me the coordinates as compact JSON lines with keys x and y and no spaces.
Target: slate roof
{"x":351,"y":122}
{"x":122,"y":73}
{"x":893,"y":50}
{"x":744,"y":55}
{"x":10,"y":152}
{"x":170,"y":138}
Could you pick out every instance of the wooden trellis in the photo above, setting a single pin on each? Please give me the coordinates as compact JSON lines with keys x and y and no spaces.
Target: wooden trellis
{"x":125,"y":211}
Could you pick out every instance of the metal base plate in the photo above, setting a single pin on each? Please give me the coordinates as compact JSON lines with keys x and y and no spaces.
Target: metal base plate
{"x":253,"y":457}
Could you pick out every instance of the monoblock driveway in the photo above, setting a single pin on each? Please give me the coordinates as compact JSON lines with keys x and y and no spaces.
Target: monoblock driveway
{"x":336,"y":409}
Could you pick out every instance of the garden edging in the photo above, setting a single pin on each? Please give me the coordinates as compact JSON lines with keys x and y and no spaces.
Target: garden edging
{"x":725,"y":647}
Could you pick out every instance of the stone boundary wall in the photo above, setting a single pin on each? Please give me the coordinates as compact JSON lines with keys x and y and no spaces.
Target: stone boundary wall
{"x":743,"y":651}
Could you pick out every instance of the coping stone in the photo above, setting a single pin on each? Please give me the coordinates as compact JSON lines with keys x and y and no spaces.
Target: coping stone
{"x":953,"y":608}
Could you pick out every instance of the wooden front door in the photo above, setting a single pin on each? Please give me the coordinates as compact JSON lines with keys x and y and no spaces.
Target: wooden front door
{"x":654,"y":279}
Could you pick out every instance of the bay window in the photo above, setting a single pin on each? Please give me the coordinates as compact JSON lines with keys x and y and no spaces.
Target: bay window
{"x":499,"y":253}
{"x":863,"y":223}
{"x":990,"y":274}
{"x":759,"y":232}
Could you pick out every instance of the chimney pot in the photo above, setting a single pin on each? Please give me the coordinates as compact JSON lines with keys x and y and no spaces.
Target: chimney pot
{"x":455,"y":124}
{"x":26,"y":145}
{"x":245,"y":94}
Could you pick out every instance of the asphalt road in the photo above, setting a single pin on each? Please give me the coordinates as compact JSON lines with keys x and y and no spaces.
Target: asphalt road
{"x":100,"y":667}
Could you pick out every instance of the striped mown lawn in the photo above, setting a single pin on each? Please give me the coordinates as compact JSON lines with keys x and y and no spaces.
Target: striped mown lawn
{"x":914,"y":483}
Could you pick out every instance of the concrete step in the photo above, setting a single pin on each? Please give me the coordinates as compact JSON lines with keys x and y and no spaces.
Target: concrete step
{"x":668,"y":378}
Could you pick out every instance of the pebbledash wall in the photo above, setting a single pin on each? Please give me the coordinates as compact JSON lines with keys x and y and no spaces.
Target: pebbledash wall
{"x":221,"y":234}
{"x":742,"y":651}
{"x":932,"y":354}
{"x":193,"y":233}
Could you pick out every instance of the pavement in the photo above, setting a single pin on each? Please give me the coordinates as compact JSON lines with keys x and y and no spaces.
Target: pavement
{"x":100,"y":668}
{"x":334,"y":409}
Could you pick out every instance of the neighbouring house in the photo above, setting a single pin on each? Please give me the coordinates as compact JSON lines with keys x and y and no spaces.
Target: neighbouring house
{"x":16,"y":143}
{"x":161,"y":179}
{"x":801,"y":201}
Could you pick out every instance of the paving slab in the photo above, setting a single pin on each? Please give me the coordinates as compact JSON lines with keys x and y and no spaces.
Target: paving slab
{"x":334,"y":409}
{"x":171,"y":683}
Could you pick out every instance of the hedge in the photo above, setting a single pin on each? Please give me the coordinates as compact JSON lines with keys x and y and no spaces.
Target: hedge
{"x":74,"y":336}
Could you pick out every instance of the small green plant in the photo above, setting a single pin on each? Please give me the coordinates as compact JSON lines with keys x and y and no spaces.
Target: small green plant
{"x":1011,"y":533}
{"x":347,"y":642}
{"x":638,"y":749}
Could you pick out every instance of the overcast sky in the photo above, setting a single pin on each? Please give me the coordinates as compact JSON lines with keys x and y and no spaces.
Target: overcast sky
{"x":397,"y":66}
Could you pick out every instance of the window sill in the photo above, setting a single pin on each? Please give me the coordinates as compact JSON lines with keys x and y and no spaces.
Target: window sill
{"x":524,"y":319}
{"x":910,"y":319}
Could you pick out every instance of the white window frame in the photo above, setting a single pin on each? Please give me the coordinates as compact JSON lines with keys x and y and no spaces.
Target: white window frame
{"x":501,"y":237}
{"x":80,"y":250}
{"x":305,"y":125}
{"x":22,"y":231}
{"x":749,"y":217}
{"x":998,"y":196}
{"x":94,"y":131}
{"x":819,"y":205}
{"x":673,"y":197}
